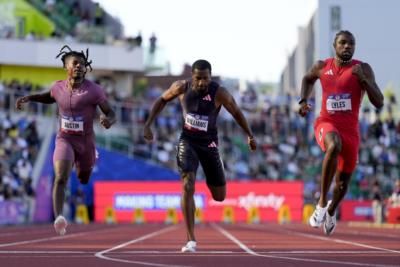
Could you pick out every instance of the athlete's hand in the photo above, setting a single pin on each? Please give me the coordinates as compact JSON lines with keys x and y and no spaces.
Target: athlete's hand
{"x":20,"y":101}
{"x":148,"y":134}
{"x":304,"y":109}
{"x":105,"y":121}
{"x":359,"y":72}
{"x":252,"y":143}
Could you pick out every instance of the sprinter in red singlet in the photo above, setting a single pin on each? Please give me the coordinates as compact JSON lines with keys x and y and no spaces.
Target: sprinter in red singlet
{"x":77,"y":100}
{"x":344,"y":81}
{"x":201,"y":100}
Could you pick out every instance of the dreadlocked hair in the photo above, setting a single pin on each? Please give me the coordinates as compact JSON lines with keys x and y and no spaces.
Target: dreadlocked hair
{"x":64,"y":54}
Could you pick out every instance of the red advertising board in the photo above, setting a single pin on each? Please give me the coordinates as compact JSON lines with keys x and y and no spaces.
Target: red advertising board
{"x":154,"y":198}
{"x":355,"y":210}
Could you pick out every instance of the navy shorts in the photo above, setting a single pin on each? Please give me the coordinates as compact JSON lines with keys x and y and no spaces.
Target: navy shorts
{"x":191,"y":152}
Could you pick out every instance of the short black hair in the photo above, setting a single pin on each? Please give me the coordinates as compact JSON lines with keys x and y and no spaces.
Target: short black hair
{"x":66,"y":54}
{"x":342,"y":32}
{"x":201,"y":64}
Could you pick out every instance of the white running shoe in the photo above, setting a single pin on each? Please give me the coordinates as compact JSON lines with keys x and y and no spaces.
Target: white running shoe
{"x":190,"y":247}
{"x":330,"y":222}
{"x":60,"y":225}
{"x":318,"y":216}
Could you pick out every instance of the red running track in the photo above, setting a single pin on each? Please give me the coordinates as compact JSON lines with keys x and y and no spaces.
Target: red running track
{"x":218,"y":245}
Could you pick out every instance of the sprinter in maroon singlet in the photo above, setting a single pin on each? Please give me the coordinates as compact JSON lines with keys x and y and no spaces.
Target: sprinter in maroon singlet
{"x":201,"y":100}
{"x":77,"y":100}
{"x":344,"y":81}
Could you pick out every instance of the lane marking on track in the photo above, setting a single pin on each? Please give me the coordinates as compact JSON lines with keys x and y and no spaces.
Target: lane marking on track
{"x":198,"y":253}
{"x":251,"y":252}
{"x":43,"y":252}
{"x":32,"y":241}
{"x":48,"y":256}
{"x":336,"y":240}
{"x":351,"y":231}
{"x":330,"y":239}
{"x":40,"y":240}
{"x":101,"y":255}
{"x":180,"y":253}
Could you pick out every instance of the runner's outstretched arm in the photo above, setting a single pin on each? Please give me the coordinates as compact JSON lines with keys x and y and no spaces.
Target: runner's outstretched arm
{"x":176,"y":89}
{"x":108,"y":118}
{"x":307,"y":84}
{"x":227,"y":100}
{"x":44,"y":98}
{"x":367,"y":79}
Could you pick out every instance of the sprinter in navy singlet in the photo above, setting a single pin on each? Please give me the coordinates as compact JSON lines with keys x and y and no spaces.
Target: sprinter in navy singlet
{"x":201,"y":100}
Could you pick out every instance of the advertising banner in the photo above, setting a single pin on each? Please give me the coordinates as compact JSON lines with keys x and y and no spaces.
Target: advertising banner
{"x":265,"y":199}
{"x":355,"y":210}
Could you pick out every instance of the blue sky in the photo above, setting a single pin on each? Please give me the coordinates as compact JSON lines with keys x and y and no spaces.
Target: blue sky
{"x":247,"y":39}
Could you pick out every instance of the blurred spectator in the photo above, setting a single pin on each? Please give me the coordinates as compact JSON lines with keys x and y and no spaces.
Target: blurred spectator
{"x":153,"y":43}
{"x":76,"y":9}
{"x":138,"y":39}
{"x":134,"y":41}
{"x":50,"y":6}
{"x":98,"y":15}
{"x":394,"y":199}
{"x":377,"y":203}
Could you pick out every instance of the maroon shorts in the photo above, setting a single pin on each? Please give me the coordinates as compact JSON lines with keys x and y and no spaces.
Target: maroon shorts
{"x":348,"y":156}
{"x":79,"y":149}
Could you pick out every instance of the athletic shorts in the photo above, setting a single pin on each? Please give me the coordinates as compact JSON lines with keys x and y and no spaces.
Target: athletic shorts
{"x":190,"y":152}
{"x":79,"y":149}
{"x":348,"y":156}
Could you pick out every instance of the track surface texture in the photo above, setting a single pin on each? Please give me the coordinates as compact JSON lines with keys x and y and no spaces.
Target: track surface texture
{"x":219,"y":245}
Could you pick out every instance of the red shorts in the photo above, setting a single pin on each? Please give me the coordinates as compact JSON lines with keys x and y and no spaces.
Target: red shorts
{"x":348,"y":156}
{"x":79,"y":149}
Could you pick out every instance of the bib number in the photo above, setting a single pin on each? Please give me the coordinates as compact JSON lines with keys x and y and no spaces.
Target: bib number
{"x":340,"y":102}
{"x":196,"y":122}
{"x":71,"y":125}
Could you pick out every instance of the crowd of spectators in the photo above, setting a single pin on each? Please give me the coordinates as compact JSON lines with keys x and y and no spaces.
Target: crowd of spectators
{"x":19,"y":144}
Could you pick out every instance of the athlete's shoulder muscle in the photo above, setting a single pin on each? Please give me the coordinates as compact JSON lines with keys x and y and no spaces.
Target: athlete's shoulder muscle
{"x":177,"y":88}
{"x":55,"y":87}
{"x":223,"y":97}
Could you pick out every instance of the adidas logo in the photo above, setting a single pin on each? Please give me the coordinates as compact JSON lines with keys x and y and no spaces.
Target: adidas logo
{"x":212,"y":144}
{"x":329,"y":72}
{"x":207,"y":97}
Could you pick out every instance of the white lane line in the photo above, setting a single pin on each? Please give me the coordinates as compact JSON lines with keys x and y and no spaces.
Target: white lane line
{"x":251,"y":252}
{"x":44,"y":252}
{"x":178,"y":252}
{"x":40,"y":240}
{"x":32,"y":241}
{"x":345,"y":242}
{"x":346,"y":230}
{"x":101,"y":255}
{"x":48,"y":256}
{"x":330,"y":239}
{"x":208,"y":252}
{"x":199,"y":253}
